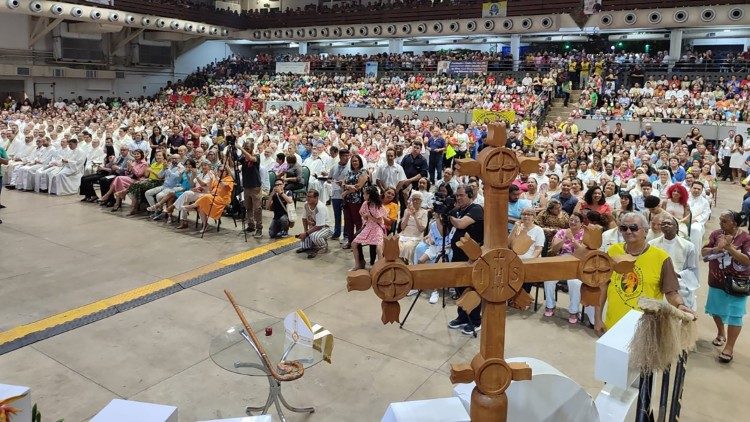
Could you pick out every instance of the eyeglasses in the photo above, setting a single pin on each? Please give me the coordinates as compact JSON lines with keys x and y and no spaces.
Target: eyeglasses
{"x":633,"y":228}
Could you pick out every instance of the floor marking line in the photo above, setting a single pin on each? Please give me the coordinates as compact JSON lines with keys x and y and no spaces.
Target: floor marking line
{"x":80,"y":313}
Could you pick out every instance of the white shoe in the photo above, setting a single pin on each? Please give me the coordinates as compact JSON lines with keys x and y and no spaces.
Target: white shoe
{"x":412,"y":292}
{"x":434,"y":296}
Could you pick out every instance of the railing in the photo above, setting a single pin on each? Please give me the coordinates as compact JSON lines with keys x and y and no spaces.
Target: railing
{"x":24,"y":57}
{"x":661,"y":4}
{"x":710,"y":131}
{"x":439,"y":11}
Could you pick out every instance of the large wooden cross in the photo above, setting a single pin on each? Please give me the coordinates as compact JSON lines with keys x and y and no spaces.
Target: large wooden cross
{"x":494,"y":277}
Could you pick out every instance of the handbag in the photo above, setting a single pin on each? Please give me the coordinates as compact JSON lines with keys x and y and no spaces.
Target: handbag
{"x":735,"y":285}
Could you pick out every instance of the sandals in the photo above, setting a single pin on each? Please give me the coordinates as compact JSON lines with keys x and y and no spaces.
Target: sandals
{"x":719,"y":341}
{"x":573,"y":319}
{"x":548,"y":312}
{"x":725,"y":358}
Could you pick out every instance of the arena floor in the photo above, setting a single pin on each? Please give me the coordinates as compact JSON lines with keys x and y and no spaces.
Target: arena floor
{"x":59,"y":255}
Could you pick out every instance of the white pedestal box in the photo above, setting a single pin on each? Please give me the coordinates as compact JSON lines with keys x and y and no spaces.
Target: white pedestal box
{"x":128,"y":411}
{"x":23,"y":404}
{"x":612,"y":355}
{"x":614,"y":403}
{"x":549,"y":396}
{"x":259,"y":418}
{"x":436,"y":410}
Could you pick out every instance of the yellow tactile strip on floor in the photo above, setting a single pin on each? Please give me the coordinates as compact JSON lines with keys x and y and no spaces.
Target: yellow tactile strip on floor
{"x":65,"y":321}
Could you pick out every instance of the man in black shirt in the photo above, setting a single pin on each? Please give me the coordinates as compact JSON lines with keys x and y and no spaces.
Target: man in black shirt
{"x":278,"y":204}
{"x":467,"y":217}
{"x":251,"y":185}
{"x":415,"y":167}
{"x":175,"y":140}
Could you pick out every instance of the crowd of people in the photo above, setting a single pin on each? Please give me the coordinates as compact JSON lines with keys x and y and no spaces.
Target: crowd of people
{"x":650,"y":192}
{"x":656,"y":98}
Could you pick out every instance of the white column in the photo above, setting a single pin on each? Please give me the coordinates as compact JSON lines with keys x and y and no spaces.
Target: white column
{"x":395,"y":46}
{"x":303,"y":47}
{"x":675,"y":46}
{"x":515,"y":49}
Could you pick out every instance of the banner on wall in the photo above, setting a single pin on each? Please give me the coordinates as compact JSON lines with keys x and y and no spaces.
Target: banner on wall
{"x":496,"y":9}
{"x":592,"y":6}
{"x":464,"y":67}
{"x":371,"y":69}
{"x":314,"y":108}
{"x":298,"y":68}
{"x":489,"y":116}
{"x":250,"y":104}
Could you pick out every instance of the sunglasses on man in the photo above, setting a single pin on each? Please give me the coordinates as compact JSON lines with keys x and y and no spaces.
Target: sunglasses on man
{"x":633,"y":228}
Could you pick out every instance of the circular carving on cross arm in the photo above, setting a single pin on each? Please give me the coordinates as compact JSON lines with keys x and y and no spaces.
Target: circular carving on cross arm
{"x":595,"y":269}
{"x":498,"y":275}
{"x":392,"y":282}
{"x":493,"y":377}
{"x":500,"y":168}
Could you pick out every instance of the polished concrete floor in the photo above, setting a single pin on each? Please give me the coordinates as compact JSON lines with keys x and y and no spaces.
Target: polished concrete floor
{"x":57,"y":254}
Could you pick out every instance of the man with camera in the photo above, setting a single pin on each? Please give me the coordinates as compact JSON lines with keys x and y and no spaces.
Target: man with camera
{"x":279,"y":204}
{"x":467,"y":218}
{"x":252,"y":188}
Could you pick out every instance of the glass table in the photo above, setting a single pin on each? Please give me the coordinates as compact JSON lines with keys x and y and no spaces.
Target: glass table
{"x":234,"y":351}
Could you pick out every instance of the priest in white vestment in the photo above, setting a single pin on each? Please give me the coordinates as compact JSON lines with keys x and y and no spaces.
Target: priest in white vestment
{"x":684,"y":258}
{"x":18,"y":159}
{"x":267,"y":160}
{"x":26,"y":174}
{"x":95,"y":157}
{"x":317,"y":167}
{"x":700,"y":208}
{"x":68,"y":180}
{"x":55,"y":164}
{"x":36,"y":158}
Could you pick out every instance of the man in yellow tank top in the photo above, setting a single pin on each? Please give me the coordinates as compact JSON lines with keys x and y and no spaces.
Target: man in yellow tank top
{"x":653,"y":275}
{"x":584,"y":75}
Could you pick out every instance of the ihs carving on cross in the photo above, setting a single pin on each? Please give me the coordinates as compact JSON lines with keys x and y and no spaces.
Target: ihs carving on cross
{"x":494,"y":276}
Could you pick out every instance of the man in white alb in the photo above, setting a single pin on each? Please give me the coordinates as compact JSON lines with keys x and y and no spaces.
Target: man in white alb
{"x":684,"y":258}
{"x":54,"y":166}
{"x":68,"y":179}
{"x":700,"y":209}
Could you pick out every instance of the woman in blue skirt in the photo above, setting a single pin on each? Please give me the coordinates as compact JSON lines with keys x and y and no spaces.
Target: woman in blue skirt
{"x":728,"y":254}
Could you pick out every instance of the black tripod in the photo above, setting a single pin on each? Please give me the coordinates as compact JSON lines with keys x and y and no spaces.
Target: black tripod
{"x":235,"y":206}
{"x":443,"y":257}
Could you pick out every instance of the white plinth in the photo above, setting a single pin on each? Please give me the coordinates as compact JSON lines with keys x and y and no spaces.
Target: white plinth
{"x":436,"y":410}
{"x":614,"y":403}
{"x":549,"y":396}
{"x":259,"y":418}
{"x":612,"y":355}
{"x":128,"y":411}
{"x":23,"y":404}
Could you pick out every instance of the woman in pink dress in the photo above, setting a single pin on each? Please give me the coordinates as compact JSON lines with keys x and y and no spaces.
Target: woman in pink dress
{"x":373,"y":216}
{"x":119,"y":186}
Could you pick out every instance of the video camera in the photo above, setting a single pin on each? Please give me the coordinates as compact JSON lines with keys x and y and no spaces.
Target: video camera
{"x":443,"y":203}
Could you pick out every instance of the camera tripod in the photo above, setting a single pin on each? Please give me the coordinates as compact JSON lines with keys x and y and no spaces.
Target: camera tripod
{"x":236,"y":206}
{"x":442,"y":257}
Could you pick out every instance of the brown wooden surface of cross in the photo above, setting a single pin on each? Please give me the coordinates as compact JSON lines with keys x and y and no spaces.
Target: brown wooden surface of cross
{"x":494,"y":276}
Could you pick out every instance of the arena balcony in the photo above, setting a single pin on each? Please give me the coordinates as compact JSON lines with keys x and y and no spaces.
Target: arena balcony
{"x":610,"y":5}
{"x":380,"y":12}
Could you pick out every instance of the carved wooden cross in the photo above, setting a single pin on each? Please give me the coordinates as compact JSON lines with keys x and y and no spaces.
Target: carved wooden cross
{"x":494,"y":276}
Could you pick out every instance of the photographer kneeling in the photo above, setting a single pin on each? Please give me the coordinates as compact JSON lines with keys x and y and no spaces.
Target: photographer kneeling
{"x":466,"y":217}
